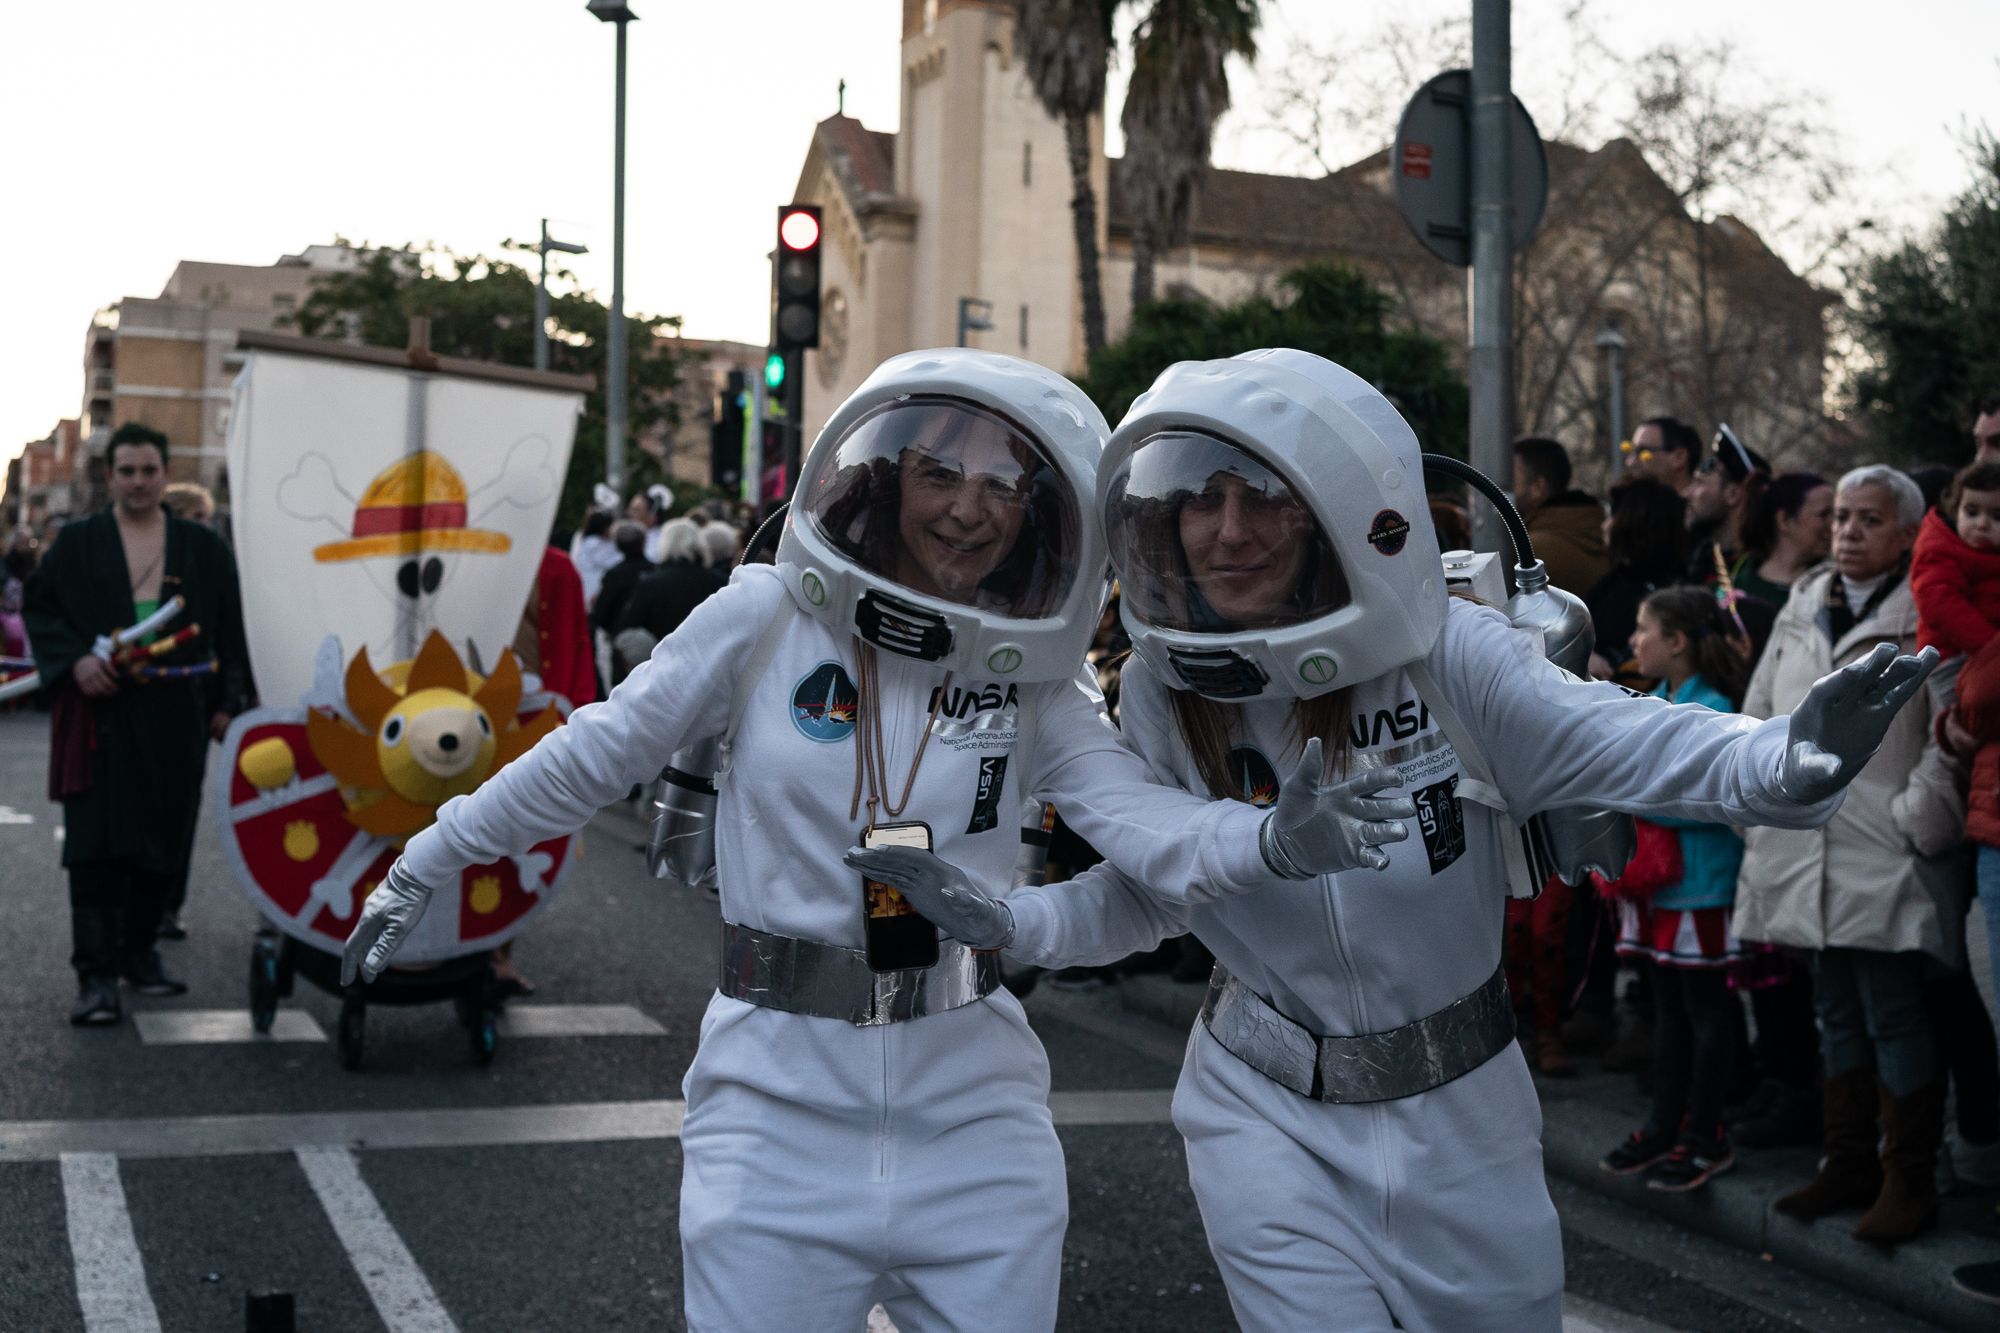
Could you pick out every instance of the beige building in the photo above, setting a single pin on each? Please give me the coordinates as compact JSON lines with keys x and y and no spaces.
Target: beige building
{"x":972,"y":200}
{"x":168,"y":360}
{"x":702,"y":369}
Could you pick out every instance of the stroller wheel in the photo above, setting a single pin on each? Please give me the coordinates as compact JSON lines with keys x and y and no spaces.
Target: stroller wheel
{"x":263,"y":985}
{"x":353,"y":1019}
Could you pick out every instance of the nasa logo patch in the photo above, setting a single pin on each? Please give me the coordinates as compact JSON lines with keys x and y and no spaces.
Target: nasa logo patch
{"x":825,"y":704}
{"x":1441,"y":820}
{"x":1388,"y":532}
{"x":1256,"y":780}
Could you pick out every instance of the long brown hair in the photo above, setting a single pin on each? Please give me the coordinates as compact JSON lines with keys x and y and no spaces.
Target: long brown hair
{"x":1207,"y":728}
{"x":1209,"y":731}
{"x":1720,"y":655}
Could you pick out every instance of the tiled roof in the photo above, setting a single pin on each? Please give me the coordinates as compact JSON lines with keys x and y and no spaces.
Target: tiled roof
{"x":864,"y":159}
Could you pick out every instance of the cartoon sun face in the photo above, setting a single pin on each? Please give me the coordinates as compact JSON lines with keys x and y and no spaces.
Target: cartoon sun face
{"x":434,"y":745}
{"x":445,"y":732}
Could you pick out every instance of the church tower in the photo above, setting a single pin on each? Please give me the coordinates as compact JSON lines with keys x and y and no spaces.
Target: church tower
{"x":988,"y":169}
{"x":970,"y":198}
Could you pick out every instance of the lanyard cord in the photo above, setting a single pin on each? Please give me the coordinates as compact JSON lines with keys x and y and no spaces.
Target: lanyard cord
{"x":869,"y":757}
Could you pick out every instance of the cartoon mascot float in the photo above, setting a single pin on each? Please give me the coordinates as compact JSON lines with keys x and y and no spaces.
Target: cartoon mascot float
{"x":420,"y":542}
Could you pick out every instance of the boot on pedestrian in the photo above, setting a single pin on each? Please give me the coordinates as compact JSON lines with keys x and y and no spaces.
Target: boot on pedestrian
{"x":1552,"y":1055}
{"x":1850,"y":1175}
{"x":94,"y":955}
{"x":96,"y":1002}
{"x":1913,"y":1127}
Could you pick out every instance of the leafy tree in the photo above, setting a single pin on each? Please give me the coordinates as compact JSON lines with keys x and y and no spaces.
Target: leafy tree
{"x":1926,"y":312}
{"x":1328,"y":309}
{"x":1179,"y":89}
{"x":1065,"y":46}
{"x":483,"y":308}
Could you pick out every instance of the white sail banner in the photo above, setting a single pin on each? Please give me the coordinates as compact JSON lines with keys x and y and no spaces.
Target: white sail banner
{"x":378,"y":504}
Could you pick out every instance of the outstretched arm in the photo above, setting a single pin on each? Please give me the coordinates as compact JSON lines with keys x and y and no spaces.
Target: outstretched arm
{"x":1554,"y":740}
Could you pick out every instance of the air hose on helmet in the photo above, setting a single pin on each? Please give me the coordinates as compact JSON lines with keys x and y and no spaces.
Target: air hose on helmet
{"x":771,"y":527}
{"x":1517,"y":530}
{"x":1570,"y":841}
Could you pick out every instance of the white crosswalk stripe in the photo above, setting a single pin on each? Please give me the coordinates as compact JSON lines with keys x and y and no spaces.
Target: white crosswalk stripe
{"x":110,"y":1275}
{"x":453,"y":1127}
{"x":192,"y":1027}
{"x":185,"y":1027}
{"x":401,"y":1292}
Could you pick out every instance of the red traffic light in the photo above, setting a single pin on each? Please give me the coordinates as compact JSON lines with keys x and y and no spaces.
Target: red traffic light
{"x":799,"y":230}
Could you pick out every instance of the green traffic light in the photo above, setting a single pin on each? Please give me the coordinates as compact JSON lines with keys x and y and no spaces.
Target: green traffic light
{"x":774,"y":371}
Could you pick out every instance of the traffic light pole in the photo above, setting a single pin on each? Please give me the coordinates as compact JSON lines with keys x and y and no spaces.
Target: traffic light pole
{"x":1491,"y":428}
{"x":614,"y":389}
{"x":795,"y":417}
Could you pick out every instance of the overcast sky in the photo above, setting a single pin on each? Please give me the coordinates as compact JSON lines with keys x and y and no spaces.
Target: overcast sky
{"x":139,"y":133}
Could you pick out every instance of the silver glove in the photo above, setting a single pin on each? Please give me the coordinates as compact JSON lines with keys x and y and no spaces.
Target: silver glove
{"x":1837,"y":727}
{"x":1318,"y":828}
{"x":941,"y":891}
{"x":387,"y":919}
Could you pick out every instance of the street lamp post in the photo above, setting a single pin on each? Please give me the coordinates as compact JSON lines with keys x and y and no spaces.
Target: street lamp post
{"x":1612,"y":343}
{"x":542,"y":293}
{"x":614,"y":12}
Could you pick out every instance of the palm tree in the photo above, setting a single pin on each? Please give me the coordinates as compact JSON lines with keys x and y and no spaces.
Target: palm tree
{"x":1065,"y":47}
{"x":1179,"y":89}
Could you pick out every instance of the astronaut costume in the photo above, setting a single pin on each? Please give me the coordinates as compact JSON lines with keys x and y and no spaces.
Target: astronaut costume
{"x":855,"y":1136}
{"x":1362,"y":1133}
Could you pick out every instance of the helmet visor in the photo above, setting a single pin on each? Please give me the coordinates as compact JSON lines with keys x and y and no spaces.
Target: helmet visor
{"x":1207,"y":538}
{"x":953,"y":501}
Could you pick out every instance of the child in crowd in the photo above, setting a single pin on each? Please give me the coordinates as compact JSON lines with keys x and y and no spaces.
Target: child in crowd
{"x":1955,"y":578}
{"x":1685,"y":639}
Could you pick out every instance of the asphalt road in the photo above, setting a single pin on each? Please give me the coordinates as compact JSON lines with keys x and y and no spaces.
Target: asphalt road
{"x":153,"y":1183}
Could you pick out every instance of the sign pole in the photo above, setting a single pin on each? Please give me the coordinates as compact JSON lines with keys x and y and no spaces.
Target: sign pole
{"x":1491,"y":427}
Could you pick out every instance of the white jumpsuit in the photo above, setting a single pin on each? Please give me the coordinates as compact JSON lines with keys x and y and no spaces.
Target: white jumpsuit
{"x":1429,"y":1211}
{"x":828,"y":1166}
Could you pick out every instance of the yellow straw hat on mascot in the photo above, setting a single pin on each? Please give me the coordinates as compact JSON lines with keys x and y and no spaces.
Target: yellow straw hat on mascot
{"x":415,"y":504}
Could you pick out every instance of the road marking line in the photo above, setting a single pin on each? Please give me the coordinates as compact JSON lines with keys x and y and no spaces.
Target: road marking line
{"x":450,"y":1127}
{"x":879,"y":1321}
{"x":577,"y":1020}
{"x":187,"y":1027}
{"x":110,"y":1275}
{"x":402,"y":1294}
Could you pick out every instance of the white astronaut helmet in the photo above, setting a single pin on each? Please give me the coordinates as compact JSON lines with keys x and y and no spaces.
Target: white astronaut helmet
{"x":1268,"y":523}
{"x":942,"y":515}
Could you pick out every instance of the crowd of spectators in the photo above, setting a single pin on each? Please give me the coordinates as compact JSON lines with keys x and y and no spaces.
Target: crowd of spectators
{"x":1785,"y":987}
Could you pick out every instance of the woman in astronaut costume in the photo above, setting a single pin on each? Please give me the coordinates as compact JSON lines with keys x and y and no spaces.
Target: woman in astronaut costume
{"x":1362,"y":1133}
{"x":854,"y":1135}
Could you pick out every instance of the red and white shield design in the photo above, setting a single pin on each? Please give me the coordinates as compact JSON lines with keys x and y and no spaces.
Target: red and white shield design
{"x":307,"y":867}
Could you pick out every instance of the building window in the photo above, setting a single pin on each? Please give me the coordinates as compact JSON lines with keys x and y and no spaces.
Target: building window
{"x":1028,"y":163}
{"x":1024,"y":327}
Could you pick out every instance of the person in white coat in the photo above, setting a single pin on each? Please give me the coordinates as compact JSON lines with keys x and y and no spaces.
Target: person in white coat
{"x":867,"y":1115}
{"x":1866,"y":895}
{"x":1362,"y":1133}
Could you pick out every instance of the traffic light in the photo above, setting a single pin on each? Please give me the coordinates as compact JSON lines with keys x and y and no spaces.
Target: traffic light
{"x":795,"y":278}
{"x":775,"y":372}
{"x":725,"y":447}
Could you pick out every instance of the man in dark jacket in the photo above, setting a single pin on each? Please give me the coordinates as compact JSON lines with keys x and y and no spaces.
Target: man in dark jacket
{"x":1566,"y":526}
{"x":621,"y":578}
{"x":130,"y":738}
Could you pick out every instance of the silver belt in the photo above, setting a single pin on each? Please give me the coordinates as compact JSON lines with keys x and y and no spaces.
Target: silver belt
{"x":828,"y":981}
{"x":1373,"y":1067}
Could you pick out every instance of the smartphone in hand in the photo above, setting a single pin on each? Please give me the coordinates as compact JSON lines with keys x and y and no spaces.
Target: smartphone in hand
{"x":896,"y":935}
